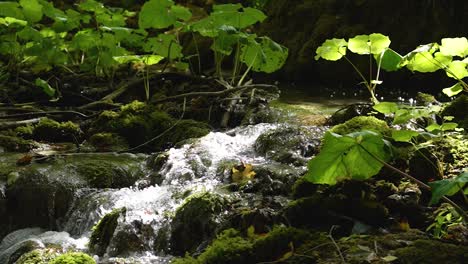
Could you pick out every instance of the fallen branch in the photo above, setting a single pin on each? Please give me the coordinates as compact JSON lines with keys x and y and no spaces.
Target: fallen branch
{"x":13,"y":124}
{"x":217,"y":93}
{"x":43,"y":113}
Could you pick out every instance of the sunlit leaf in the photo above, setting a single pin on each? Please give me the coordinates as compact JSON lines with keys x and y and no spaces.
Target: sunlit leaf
{"x":369,"y":44}
{"x":457,"y":70}
{"x":45,"y":87}
{"x":347,"y":157}
{"x":331,"y":49}
{"x":454,"y":47}
{"x":389,"y":60}
{"x":404,"y":135}
{"x":447,"y":187}
{"x":448,"y":126}
{"x":386,"y":107}
{"x":427,"y":62}
{"x":8,"y":21}
{"x":453,"y":90}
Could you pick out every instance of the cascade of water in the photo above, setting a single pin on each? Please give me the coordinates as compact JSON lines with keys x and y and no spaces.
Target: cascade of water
{"x":191,"y":167}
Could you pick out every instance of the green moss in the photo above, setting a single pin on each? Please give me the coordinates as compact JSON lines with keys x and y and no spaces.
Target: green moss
{"x":25,"y":131}
{"x":230,"y":247}
{"x":362,"y":123}
{"x":423,"y":252}
{"x":51,"y":130}
{"x":12,"y":143}
{"x":457,"y":109}
{"x":103,"y":231}
{"x":135,"y":107}
{"x":195,"y":221}
{"x":107,"y":174}
{"x":37,"y":256}
{"x":108,"y":142}
{"x":73,"y":258}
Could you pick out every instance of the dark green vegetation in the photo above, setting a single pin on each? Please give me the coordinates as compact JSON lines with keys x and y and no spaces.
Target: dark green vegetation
{"x":83,"y":82}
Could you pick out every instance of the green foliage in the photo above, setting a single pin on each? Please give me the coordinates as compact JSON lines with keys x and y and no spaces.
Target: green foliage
{"x":451,"y":56}
{"x":226,"y":26}
{"x":445,"y":217}
{"x":348,"y":157}
{"x":73,"y":258}
{"x":449,"y":187}
{"x":375,"y":44}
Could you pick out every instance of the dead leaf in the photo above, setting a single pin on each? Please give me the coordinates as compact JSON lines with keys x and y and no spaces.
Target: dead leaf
{"x":242,"y":173}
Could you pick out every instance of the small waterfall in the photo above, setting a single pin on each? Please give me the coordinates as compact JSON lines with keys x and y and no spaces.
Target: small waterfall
{"x":193,"y":167}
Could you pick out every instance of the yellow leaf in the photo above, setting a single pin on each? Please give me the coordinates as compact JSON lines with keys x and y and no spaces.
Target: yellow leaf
{"x":242,"y":173}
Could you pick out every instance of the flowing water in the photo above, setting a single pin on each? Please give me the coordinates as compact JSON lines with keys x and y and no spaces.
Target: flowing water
{"x":193,"y":167}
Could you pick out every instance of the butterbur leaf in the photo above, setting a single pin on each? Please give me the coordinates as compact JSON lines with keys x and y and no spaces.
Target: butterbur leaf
{"x":45,"y":87}
{"x":386,"y":107}
{"x":447,"y":187}
{"x":32,"y":10}
{"x":454,"y":47}
{"x":457,"y":70}
{"x":453,"y":90}
{"x":331,"y":49}
{"x":154,"y":14}
{"x":164,"y":45}
{"x":11,"y":9}
{"x":264,"y":56}
{"x":427,"y":62}
{"x":347,"y":157}
{"x":389,"y":60}
{"x":369,"y":44}
{"x":448,"y":126}
{"x":404,"y":135}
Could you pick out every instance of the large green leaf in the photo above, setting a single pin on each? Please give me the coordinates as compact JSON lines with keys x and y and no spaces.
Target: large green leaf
{"x":227,"y":37}
{"x":161,"y":14}
{"x":457,"y":70}
{"x":404,"y":135}
{"x":389,"y":60}
{"x":264,"y":56}
{"x":453,"y":90}
{"x":426,"y":61}
{"x":454,"y":47}
{"x":11,"y":9}
{"x":348,"y":157}
{"x":386,"y":107}
{"x":164,"y":45}
{"x":331,"y":49}
{"x":236,"y":15}
{"x":32,"y":10}
{"x":374,"y":43}
{"x":447,"y":186}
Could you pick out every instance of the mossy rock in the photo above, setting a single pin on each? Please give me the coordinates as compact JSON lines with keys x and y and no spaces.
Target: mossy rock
{"x":16,"y":144}
{"x":108,"y":142}
{"x":53,"y":131}
{"x":37,"y":256}
{"x":103,"y":231}
{"x":109,"y":174}
{"x":457,"y":109}
{"x":138,"y":123}
{"x":196,"y":221}
{"x":73,"y":258}
{"x":360,"y":123}
{"x":231,"y":247}
{"x":289,"y":144}
{"x":422,"y":251}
